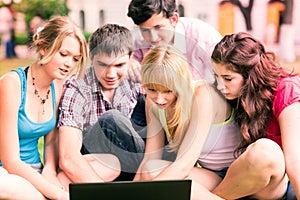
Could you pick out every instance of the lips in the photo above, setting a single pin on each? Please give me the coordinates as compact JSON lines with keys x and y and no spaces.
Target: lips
{"x":110,"y":82}
{"x":225,"y":94}
{"x":156,"y":43}
{"x":161,"y":105}
{"x":64,"y":71}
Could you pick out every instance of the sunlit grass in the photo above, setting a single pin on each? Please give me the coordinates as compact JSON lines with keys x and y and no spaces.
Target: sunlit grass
{"x":9,"y":64}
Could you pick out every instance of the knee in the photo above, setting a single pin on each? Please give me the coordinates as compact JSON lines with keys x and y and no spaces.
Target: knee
{"x":3,"y":171}
{"x":9,"y":184}
{"x":111,"y":114}
{"x":113,"y":117}
{"x":114,"y":161}
{"x":105,"y":163}
{"x":265,"y":152}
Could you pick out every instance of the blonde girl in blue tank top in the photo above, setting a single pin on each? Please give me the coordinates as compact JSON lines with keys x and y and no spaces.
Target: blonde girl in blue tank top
{"x":29,"y":106}
{"x":192,"y":118}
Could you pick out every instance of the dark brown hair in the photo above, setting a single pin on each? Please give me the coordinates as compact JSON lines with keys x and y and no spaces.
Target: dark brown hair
{"x":142,"y":10}
{"x":247,"y":56}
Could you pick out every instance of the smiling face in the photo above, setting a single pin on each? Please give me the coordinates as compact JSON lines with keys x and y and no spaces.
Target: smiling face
{"x":65,"y":59}
{"x":229,"y":82}
{"x":110,"y":69}
{"x":160,"y":95}
{"x":159,"y":29}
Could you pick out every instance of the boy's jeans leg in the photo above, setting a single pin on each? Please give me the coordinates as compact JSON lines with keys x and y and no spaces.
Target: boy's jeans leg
{"x":114,"y":133}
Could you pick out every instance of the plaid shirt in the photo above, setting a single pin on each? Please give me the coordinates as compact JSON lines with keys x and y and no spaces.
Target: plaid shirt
{"x":83,"y":101}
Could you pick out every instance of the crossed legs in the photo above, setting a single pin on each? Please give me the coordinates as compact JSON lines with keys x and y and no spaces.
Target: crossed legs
{"x":259,"y":173}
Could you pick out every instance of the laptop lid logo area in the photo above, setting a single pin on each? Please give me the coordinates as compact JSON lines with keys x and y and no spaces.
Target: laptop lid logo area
{"x":132,"y":190}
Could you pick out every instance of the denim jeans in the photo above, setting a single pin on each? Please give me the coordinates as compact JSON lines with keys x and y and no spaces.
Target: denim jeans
{"x":116,"y":134}
{"x":139,"y":115}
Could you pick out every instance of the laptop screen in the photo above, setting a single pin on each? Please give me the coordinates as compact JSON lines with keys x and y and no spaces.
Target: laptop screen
{"x":132,"y":190}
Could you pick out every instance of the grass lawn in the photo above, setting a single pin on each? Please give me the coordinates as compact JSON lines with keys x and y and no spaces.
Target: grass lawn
{"x":9,"y":64}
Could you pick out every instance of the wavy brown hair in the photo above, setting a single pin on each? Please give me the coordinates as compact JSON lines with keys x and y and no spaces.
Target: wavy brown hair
{"x":247,"y":56}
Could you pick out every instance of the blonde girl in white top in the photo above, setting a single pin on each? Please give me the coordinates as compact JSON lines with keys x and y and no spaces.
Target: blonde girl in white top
{"x":193,"y":119}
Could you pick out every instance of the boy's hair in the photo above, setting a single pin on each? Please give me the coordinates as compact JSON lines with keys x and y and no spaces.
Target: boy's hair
{"x":111,"y":39}
{"x":142,"y":10}
{"x":52,"y":34}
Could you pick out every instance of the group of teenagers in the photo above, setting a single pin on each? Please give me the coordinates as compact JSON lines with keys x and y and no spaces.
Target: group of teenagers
{"x":173,"y":100}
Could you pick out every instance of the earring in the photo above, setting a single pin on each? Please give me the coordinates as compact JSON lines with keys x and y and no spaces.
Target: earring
{"x":40,"y":59}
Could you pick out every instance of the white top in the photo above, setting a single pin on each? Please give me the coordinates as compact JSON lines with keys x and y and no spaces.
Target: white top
{"x":223,"y":138}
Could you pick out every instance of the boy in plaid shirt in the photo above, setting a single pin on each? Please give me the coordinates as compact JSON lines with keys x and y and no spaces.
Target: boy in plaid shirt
{"x":97,"y":134}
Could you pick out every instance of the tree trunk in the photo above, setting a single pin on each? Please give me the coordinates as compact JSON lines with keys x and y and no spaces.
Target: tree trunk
{"x":287,"y":51}
{"x":246,"y":11}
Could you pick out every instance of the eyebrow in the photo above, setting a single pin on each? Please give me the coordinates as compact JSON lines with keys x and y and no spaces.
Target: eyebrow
{"x":116,"y":64}
{"x":225,"y":75}
{"x":69,"y":52}
{"x":101,"y":63}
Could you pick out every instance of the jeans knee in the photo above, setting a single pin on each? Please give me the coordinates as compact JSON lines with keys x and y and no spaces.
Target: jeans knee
{"x":110,"y":114}
{"x":112,"y":117}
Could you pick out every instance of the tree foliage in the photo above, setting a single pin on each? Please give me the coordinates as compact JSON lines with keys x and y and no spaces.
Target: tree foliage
{"x":42,"y":8}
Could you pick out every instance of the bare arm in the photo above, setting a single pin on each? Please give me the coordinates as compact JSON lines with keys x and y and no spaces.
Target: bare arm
{"x":51,"y":145}
{"x":289,"y":121}
{"x":155,"y":137}
{"x":71,"y":161}
{"x":201,"y":119}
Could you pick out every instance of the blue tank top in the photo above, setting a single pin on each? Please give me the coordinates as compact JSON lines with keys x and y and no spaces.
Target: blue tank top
{"x":29,"y":132}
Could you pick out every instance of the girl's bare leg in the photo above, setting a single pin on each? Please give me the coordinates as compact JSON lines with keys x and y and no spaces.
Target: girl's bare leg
{"x":17,"y":188}
{"x":259,"y":172}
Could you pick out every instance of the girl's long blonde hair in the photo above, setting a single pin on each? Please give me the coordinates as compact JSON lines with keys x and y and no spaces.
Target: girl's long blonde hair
{"x":165,"y":66}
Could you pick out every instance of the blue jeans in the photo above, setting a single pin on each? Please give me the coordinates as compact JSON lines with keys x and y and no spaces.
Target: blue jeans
{"x":10,"y":49}
{"x":139,"y":115}
{"x":116,"y":134}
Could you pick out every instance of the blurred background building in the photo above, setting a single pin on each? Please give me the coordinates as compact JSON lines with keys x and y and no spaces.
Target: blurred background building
{"x":266,"y":19}
{"x":90,"y":14}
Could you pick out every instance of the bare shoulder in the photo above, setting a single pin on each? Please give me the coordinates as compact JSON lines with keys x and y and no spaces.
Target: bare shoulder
{"x":10,"y":87}
{"x":10,"y":82}
{"x":203,"y":88}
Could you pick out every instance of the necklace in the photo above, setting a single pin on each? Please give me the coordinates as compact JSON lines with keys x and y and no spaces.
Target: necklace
{"x":36,"y":92}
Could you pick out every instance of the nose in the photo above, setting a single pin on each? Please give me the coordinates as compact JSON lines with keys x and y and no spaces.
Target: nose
{"x":220,"y":84}
{"x":69,"y":62}
{"x":110,"y":72}
{"x":153,"y":35}
{"x":159,"y":98}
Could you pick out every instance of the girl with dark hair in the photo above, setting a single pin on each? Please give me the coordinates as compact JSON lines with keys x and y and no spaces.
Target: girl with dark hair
{"x":267,"y":102}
